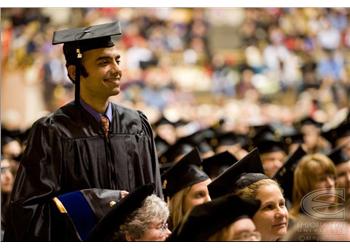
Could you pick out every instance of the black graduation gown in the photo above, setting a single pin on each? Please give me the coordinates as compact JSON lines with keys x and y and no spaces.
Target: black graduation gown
{"x":67,"y":151}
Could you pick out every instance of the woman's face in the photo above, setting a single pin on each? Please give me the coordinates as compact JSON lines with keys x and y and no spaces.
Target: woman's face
{"x":197,"y":195}
{"x":343,"y":177}
{"x":272,"y":162}
{"x":157,"y":231}
{"x":7,"y":180}
{"x":271,"y":220}
{"x":326,"y":182}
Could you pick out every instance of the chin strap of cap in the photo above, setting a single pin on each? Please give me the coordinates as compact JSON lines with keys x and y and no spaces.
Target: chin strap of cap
{"x":77,"y":76}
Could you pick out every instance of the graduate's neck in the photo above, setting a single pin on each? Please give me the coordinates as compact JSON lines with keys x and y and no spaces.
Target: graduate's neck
{"x":99,"y":105}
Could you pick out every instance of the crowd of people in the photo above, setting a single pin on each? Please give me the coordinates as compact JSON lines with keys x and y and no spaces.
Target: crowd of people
{"x":215,"y":85}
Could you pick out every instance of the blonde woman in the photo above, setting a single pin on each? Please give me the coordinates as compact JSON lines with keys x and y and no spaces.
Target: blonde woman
{"x":245,"y":178}
{"x":227,"y":218}
{"x":271,"y":219}
{"x":315,"y":172}
{"x":185,"y":186}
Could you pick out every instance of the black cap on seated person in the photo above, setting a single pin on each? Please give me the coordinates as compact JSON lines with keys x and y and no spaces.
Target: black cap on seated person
{"x":117,"y":216}
{"x":267,"y":140}
{"x":209,"y":218}
{"x":292,"y":138}
{"x":285,"y":175}
{"x":185,"y":173}
{"x":333,"y":135}
{"x":307,"y":121}
{"x":218,"y":163}
{"x":226,"y":182}
{"x":181,"y":147}
{"x":81,"y":210}
{"x":231,"y":138}
{"x":338,"y":156}
{"x":78,"y":40}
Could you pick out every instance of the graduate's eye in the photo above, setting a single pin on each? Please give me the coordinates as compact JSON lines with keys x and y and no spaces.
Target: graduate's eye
{"x":103,"y":62}
{"x":282,"y":204}
{"x":268,"y":207}
{"x":199,"y":195}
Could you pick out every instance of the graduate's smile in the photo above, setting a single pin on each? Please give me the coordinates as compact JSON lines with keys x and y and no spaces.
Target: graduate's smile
{"x":114,"y":80}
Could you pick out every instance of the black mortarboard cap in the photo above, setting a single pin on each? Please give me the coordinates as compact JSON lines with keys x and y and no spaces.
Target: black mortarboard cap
{"x":78,"y":40}
{"x":13,"y":134}
{"x":162,"y":121}
{"x":201,"y":139}
{"x":231,"y":138}
{"x":181,"y":147}
{"x":207,"y":219}
{"x":269,"y":146}
{"x":6,"y":139}
{"x":218,"y":163}
{"x":293,"y":137}
{"x":110,"y":223}
{"x":332,"y":135}
{"x":285,"y":175}
{"x":87,"y":33}
{"x":338,"y":156}
{"x":307,"y":121}
{"x":247,"y":179}
{"x":186,"y":172}
{"x":161,"y":144}
{"x":226,"y":182}
{"x":84,"y":208}
{"x":267,"y":140}
{"x":165,"y":167}
{"x":254,"y":130}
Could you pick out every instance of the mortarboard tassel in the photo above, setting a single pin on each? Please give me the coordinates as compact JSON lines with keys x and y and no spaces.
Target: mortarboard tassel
{"x":77,"y":77}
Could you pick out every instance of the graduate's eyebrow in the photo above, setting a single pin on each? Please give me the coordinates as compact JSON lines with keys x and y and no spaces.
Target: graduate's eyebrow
{"x":100,"y":58}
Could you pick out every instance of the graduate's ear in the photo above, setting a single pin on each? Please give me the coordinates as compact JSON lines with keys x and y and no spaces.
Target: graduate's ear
{"x":71,"y":72}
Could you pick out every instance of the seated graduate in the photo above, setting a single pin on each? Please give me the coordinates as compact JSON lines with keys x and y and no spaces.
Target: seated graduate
{"x":314,"y":173}
{"x":285,"y":175}
{"x":245,"y":178}
{"x":185,"y":186}
{"x":227,"y":218}
{"x":140,"y":216}
{"x":271,"y":220}
{"x":271,"y":149}
{"x":342,"y":169}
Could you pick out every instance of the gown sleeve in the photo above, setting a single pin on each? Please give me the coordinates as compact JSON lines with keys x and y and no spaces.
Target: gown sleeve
{"x":154,"y":159}
{"x":36,"y":183}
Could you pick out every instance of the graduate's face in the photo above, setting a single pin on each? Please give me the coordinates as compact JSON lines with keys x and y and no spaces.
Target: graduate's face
{"x":197,"y":195}
{"x":157,"y":231}
{"x":271,"y":220}
{"x":324,"y":181}
{"x":7,"y":180}
{"x":272,"y":162}
{"x":104,"y":72}
{"x":343,"y":177}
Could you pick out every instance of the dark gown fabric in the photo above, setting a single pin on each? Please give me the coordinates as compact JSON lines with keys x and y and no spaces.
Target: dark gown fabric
{"x":67,"y":151}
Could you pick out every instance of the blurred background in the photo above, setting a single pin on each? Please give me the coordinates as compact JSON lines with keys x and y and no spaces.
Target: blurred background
{"x":243,"y":65}
{"x":191,"y":68}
